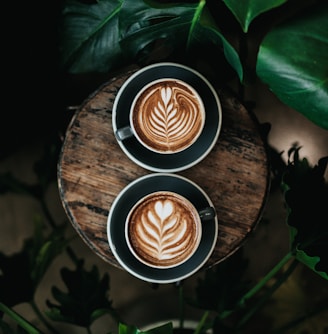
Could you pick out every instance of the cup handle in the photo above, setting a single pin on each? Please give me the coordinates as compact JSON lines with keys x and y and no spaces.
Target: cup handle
{"x":124,"y":133}
{"x":207,"y":214}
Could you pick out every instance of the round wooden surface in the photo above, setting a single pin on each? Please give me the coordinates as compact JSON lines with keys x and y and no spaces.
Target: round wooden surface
{"x":93,"y":169}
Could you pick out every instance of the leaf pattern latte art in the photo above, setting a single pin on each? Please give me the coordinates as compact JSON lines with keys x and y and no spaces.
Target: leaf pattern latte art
{"x":171,"y":117}
{"x":163,"y":232}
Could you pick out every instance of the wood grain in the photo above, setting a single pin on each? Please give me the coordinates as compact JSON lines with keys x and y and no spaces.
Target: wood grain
{"x":93,"y":169}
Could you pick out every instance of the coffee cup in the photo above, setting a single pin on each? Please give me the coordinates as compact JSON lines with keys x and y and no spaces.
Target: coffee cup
{"x":167,"y":204}
{"x":166,"y":116}
{"x":164,"y":229}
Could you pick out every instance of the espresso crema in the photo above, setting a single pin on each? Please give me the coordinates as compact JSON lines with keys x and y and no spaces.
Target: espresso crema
{"x":168,"y":116}
{"x":164,"y":230}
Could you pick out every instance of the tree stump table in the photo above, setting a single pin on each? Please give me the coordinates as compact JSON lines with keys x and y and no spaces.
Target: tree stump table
{"x":93,"y":169}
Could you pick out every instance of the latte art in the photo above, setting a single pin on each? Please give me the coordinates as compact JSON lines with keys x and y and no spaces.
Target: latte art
{"x":163,"y":229}
{"x":168,"y":116}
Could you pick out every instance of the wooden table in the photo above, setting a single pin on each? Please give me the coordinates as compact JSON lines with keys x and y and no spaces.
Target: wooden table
{"x":93,"y":169}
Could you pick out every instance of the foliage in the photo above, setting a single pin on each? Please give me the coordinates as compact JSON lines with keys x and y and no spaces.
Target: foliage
{"x":25,"y":269}
{"x":86,"y":298}
{"x":292,"y":62}
{"x":295,"y":300}
{"x":222,"y":293}
{"x":246,"y":11}
{"x":211,"y":296}
{"x":306,"y":196}
{"x":104,"y":35}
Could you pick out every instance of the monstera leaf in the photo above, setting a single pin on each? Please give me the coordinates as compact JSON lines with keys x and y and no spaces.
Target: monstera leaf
{"x":89,"y":36}
{"x":86,"y":298}
{"x":306,"y":196}
{"x":247,"y":10}
{"x":292,"y":60}
{"x":178,"y":24}
{"x":97,"y":37}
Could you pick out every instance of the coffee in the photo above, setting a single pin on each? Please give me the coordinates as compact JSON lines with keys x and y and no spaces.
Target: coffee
{"x":167,"y":116}
{"x":163,"y":229}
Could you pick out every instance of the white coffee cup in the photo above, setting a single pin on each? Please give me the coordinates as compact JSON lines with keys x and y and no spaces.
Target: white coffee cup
{"x":166,"y":116}
{"x":164,"y":229}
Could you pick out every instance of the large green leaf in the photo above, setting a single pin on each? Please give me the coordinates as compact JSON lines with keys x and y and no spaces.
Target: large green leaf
{"x":246,"y":11}
{"x":177,"y":25}
{"x":208,"y":32}
{"x":97,"y":37}
{"x":142,"y":22}
{"x":292,"y":60}
{"x":89,"y":36}
{"x":306,"y":197}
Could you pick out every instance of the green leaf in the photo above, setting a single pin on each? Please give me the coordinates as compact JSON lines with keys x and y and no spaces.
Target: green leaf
{"x":141,"y":23}
{"x":162,"y":329}
{"x":47,"y":252}
{"x":292,"y":60}
{"x":86,"y":297}
{"x":306,"y":197}
{"x":89,"y":36}
{"x":208,"y":32}
{"x":246,"y":11}
{"x":178,"y":26}
{"x":98,"y":37}
{"x":24,"y":325}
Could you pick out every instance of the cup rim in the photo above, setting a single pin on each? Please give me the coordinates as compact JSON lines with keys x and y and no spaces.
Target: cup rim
{"x":145,"y":87}
{"x":195,"y":214}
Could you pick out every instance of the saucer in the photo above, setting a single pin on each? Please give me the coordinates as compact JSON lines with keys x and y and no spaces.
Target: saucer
{"x":174,"y":162}
{"x":132,"y":194}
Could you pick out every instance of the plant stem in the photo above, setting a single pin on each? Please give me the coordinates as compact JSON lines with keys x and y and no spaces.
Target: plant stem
{"x":20,"y":320}
{"x":265,"y":279}
{"x":269,"y":293}
{"x":42,"y":318}
{"x":201,"y":323}
{"x":243,"y":53}
{"x":259,"y":285}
